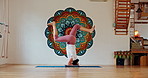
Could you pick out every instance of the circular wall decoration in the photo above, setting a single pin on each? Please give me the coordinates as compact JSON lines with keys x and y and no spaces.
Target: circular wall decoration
{"x":65,"y":20}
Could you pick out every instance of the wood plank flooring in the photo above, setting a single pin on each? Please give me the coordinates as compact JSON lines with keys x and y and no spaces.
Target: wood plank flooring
{"x":29,"y":71}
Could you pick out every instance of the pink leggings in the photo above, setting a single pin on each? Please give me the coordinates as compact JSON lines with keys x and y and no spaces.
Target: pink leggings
{"x":71,"y":38}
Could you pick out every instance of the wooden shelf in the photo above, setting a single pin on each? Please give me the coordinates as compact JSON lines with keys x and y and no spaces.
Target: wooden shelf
{"x":141,"y":22}
{"x":139,"y":51}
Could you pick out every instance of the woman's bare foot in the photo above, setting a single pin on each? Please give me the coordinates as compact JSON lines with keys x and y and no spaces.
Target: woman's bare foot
{"x":92,"y":29}
{"x":51,"y":23}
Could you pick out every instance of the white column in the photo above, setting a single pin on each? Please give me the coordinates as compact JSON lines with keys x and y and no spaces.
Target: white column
{"x":3,"y":31}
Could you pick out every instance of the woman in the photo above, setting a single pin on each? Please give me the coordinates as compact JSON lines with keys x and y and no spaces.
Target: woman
{"x":71,"y":40}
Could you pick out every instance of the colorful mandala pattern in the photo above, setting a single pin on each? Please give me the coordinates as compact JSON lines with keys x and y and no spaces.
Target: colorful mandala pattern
{"x":65,"y":20}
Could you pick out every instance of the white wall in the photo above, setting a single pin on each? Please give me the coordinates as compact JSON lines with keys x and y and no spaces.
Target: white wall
{"x":27,"y":43}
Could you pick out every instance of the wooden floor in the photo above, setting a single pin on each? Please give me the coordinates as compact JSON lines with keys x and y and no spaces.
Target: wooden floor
{"x":29,"y":71}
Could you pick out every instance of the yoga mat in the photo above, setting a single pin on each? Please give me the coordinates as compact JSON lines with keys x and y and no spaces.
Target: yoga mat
{"x":69,"y":66}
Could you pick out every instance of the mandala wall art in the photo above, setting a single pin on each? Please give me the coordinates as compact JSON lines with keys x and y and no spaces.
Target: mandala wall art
{"x":65,"y":20}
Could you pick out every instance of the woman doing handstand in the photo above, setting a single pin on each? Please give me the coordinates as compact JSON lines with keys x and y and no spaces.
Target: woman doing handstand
{"x":71,"y":40}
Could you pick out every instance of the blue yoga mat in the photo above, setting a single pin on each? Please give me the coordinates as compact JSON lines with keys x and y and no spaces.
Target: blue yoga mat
{"x":71,"y":66}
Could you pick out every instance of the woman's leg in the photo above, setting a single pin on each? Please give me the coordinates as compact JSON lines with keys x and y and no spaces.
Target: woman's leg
{"x":70,"y":39}
{"x":77,"y":26}
{"x":55,"y":32}
{"x":87,"y":30}
{"x":74,"y":30}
